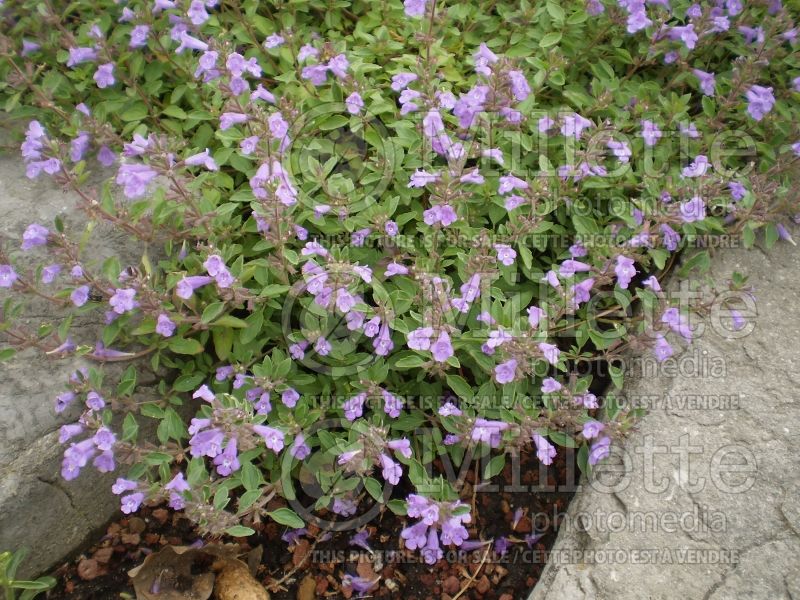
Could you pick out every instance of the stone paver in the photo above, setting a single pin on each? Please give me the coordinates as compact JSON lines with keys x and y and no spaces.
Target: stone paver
{"x":745,"y":541}
{"x":38,"y":509}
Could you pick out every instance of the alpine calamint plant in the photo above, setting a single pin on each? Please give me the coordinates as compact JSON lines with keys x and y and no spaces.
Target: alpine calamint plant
{"x":379,"y":235}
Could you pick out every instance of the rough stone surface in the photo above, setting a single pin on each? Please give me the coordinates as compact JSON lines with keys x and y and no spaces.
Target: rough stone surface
{"x":38,"y":509}
{"x":745,"y":541}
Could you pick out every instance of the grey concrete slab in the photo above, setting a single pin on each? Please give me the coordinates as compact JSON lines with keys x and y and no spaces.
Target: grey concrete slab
{"x":705,"y":502}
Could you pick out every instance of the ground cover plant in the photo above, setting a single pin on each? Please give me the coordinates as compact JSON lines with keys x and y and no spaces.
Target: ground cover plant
{"x":380,"y":239}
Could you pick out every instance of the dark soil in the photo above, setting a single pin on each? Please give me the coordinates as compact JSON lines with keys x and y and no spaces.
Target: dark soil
{"x":100,"y":572}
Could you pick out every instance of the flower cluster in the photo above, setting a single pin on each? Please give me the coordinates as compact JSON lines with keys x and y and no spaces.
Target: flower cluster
{"x":350,"y":234}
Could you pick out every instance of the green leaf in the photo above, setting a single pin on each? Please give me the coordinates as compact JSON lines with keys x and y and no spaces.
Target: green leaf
{"x":212,"y":311}
{"x":230,"y":321}
{"x":334,"y":122}
{"x":137,"y":112}
{"x":174,"y":111}
{"x":286,"y":516}
{"x":550,"y":39}
{"x":240,"y":531}
{"x":555,"y":11}
{"x":494,"y":466}
{"x":185,"y":346}
{"x":460,"y":387}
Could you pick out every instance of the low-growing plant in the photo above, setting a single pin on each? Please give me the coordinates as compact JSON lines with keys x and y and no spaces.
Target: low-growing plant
{"x":380,"y":240}
{"x":10,"y":585}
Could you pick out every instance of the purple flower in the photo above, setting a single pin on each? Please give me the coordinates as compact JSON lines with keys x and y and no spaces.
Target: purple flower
{"x":104,"y":439}
{"x":186,"y":286}
{"x":569,"y":267}
{"x":63,"y":401}
{"x":506,"y":372}
{"x":316,"y":74}
{"x":489,"y":432}
{"x":94,"y":401}
{"x":34,"y":235}
{"x":80,"y":295}
{"x":505,"y":254}
{"x":580,"y":292}
{"x":104,"y":462}
{"x":595,"y":8}
{"x":415,"y":8}
{"x":338,"y":65}
{"x":693,"y":210}
{"x":519,"y":85}
{"x":202,"y":159}
{"x":738,"y":191}
{"x":354,"y":103}
{"x":29,"y":47}
{"x":442,"y":349}
{"x":550,"y":352}
{"x":662,"y":349}
{"x":322,"y":346}
{"x":134,"y":178}
{"x":652,"y":283}
{"x":300,"y":449}
{"x":123,"y":300}
{"x":124,"y":485}
{"x":354,"y":407}
{"x":677,"y":323}
{"x":599,"y":450}
{"x":620,"y":149}
{"x":205,"y":393}
{"x":401,"y":81}
{"x":249,"y":144}
{"x":197,"y":12}
{"x":81,"y":55}
{"x":421,"y":179}
{"x":535,"y":315}
{"x":176,"y":484}
{"x":273,"y":438}
{"x":545,"y":451}
{"x":508,"y":183}
{"x":685,"y":34}
{"x":707,"y":81}
{"x":227,"y":462}
{"x":637,"y":20}
{"x":139,"y":36}
{"x":273,"y":41}
{"x":392,"y":405}
{"x":591,"y":429}
{"x":760,"y":101}
{"x":307,"y":51}
{"x":298,"y":350}
{"x":650,"y":132}
{"x":625,"y":271}
{"x":131,"y":503}
{"x":67,"y":432}
{"x":290,"y":397}
{"x":550,"y":385}
{"x":395,"y":269}
{"x":671,"y":237}
{"x":229,"y":119}
{"x":79,"y":146}
{"x":588,"y":400}
{"x":796,"y":148}
{"x":420,"y":339}
{"x":207,"y":442}
{"x":573,"y":125}
{"x":390,"y":470}
{"x":401,"y":446}
{"x":165,"y":326}
{"x":104,"y":76}
{"x":698,"y":167}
